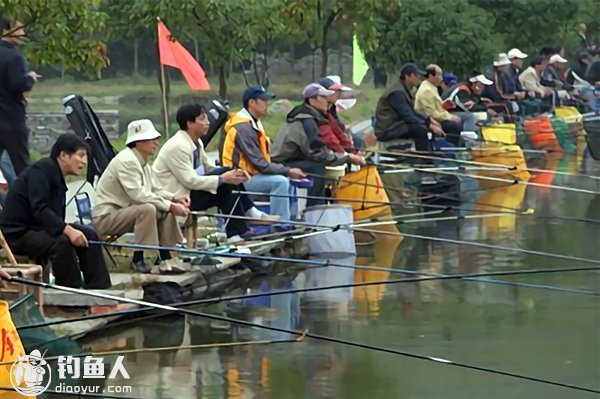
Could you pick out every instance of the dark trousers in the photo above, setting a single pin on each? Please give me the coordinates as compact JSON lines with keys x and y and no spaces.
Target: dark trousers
{"x":68,"y":261}
{"x":318,"y":188}
{"x":416,"y":132}
{"x":225,"y":200}
{"x":453,"y":131}
{"x":14,"y":138}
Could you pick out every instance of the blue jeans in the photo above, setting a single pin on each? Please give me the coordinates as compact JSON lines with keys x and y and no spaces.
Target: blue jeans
{"x":275,"y":184}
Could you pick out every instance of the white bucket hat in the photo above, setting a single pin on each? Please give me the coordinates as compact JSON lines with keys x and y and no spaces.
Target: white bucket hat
{"x":501,"y":60}
{"x":556,"y":59}
{"x":142,"y":129}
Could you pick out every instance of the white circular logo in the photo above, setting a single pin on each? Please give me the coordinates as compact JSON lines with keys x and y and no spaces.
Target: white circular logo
{"x":30,"y":375}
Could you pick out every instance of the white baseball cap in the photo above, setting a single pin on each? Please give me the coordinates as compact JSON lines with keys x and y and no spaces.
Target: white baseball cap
{"x":516,"y":53}
{"x":556,"y":58}
{"x":140,"y":130}
{"x":481,"y":79}
{"x":315,"y":89}
{"x":501,"y":59}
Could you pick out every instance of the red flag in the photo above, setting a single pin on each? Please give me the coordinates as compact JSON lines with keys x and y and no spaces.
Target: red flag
{"x":172,"y":53}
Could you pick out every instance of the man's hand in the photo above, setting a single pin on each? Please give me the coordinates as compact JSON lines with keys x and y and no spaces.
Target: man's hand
{"x":76,"y":237}
{"x":469,"y":104}
{"x":234,"y":177}
{"x":531,"y":94}
{"x":295,"y":173}
{"x":519,"y":95}
{"x":178,"y":209}
{"x":437,"y":130}
{"x":185,"y":200}
{"x":34,"y":76}
{"x":491,"y":112}
{"x":456,"y":119}
{"x":356,"y":160}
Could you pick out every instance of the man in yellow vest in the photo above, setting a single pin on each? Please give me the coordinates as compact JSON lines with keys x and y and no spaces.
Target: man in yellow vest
{"x":247,"y":147}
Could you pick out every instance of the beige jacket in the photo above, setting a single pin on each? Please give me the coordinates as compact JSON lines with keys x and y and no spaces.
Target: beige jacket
{"x":127,"y":181}
{"x":174,"y":170}
{"x":530,"y":81}
{"x":429,"y":103}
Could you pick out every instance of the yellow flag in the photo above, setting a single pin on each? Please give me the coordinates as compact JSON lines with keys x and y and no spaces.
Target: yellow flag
{"x":360,"y":67}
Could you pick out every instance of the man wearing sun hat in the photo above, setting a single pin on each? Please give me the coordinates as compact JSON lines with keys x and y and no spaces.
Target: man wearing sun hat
{"x":336,"y":138}
{"x":128,"y":202}
{"x":557,"y":71}
{"x":516,"y":58}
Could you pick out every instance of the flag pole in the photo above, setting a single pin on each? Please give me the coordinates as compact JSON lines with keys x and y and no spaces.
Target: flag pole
{"x":164,"y":93}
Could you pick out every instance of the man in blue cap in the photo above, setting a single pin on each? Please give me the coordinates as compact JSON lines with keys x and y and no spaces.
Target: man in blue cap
{"x":248,"y":147}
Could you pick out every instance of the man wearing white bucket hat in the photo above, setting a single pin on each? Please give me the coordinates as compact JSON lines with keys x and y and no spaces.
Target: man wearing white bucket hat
{"x":127,"y":201}
{"x":516,"y":58}
{"x":557,"y":72}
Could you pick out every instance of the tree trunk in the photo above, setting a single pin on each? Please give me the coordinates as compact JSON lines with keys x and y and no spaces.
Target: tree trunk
{"x":196,"y":50}
{"x":136,"y":57}
{"x":313,"y":65}
{"x":341,"y":64}
{"x":265,"y":72}
{"x":222,"y":81}
{"x":255,"y":66}
{"x":379,"y":77}
{"x":324,"y":58}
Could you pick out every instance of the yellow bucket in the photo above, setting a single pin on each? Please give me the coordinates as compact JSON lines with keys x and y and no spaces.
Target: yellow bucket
{"x":501,"y":133}
{"x":569,"y":114}
{"x":10,"y":350}
{"x":509,"y":155}
{"x":363,"y":185}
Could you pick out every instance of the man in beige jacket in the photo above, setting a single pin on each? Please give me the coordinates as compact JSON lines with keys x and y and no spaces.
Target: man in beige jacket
{"x":429,"y":103}
{"x":183,"y":168}
{"x":128,"y":201}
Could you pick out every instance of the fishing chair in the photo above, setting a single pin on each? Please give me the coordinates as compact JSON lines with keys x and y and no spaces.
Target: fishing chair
{"x":84,"y":212}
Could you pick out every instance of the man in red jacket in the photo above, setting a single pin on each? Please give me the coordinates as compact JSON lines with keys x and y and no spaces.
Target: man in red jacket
{"x":334,"y":135}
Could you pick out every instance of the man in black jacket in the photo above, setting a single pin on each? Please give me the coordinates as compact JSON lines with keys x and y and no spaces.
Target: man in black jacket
{"x":395,"y":116}
{"x":14,"y":83}
{"x":33,"y":219}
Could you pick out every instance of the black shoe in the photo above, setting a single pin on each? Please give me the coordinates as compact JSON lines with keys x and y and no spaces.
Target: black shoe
{"x":140,"y":267}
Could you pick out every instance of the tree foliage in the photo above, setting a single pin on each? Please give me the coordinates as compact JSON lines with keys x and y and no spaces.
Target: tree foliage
{"x":61,"y":32}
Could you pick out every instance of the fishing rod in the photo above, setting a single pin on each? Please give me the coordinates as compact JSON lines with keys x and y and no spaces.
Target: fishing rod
{"x":487,"y":164}
{"x":378,"y":204}
{"x":431,"y":238}
{"x":216,"y":300}
{"x":515,"y":181}
{"x":319,"y":337}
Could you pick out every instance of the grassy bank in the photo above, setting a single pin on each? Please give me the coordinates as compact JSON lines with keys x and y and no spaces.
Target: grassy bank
{"x":140,"y":97}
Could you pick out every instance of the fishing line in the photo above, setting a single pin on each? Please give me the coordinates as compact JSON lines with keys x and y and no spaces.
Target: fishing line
{"x":219,"y":299}
{"x":325,"y":338}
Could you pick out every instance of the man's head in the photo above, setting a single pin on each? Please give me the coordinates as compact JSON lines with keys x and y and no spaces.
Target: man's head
{"x":434,"y":74}
{"x":411,"y":75}
{"x":559,"y":62}
{"x":516,"y":57}
{"x":539,"y":63}
{"x":316,"y":95}
{"x":142,"y":136}
{"x":12,"y":31}
{"x":193,"y":118}
{"x":334,"y":83}
{"x":582,"y":28}
{"x":501,"y":62}
{"x":255,"y":100}
{"x":70,"y":152}
{"x":478,"y":83}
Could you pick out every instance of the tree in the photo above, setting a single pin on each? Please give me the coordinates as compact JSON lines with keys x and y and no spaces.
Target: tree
{"x":531,"y":24}
{"x":61,"y":32}
{"x":457,"y":35}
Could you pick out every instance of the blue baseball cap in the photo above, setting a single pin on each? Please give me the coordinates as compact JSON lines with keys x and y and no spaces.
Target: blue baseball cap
{"x":256,"y":92}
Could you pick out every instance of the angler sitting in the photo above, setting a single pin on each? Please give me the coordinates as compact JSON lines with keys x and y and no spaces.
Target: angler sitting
{"x":127,"y":201}
{"x":467,"y":98}
{"x":182,"y":167}
{"x":33,"y":219}
{"x":395,"y":116}
{"x":247,"y":147}
{"x":300,"y":144}
{"x":429,"y":103}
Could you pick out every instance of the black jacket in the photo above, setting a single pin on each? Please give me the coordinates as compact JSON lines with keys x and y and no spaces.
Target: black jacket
{"x":36,"y":201}
{"x":395,"y":110}
{"x":14,"y":82}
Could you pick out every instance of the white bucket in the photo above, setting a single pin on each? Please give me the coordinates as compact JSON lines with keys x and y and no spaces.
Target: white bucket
{"x":338,"y":242}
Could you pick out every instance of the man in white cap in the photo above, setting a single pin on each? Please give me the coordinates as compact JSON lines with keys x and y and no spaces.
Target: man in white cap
{"x":300,"y":144}
{"x":468,"y":97}
{"x":516,"y":58}
{"x":557,"y":72}
{"x":127,"y":201}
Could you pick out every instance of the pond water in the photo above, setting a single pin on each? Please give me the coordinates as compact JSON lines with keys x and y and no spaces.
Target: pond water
{"x":538,"y":332}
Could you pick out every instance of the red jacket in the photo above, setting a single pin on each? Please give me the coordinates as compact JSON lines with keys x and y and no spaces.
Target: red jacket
{"x":334,"y":137}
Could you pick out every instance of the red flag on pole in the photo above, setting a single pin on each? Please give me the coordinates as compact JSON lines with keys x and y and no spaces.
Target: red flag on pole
{"x":173,"y":54}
